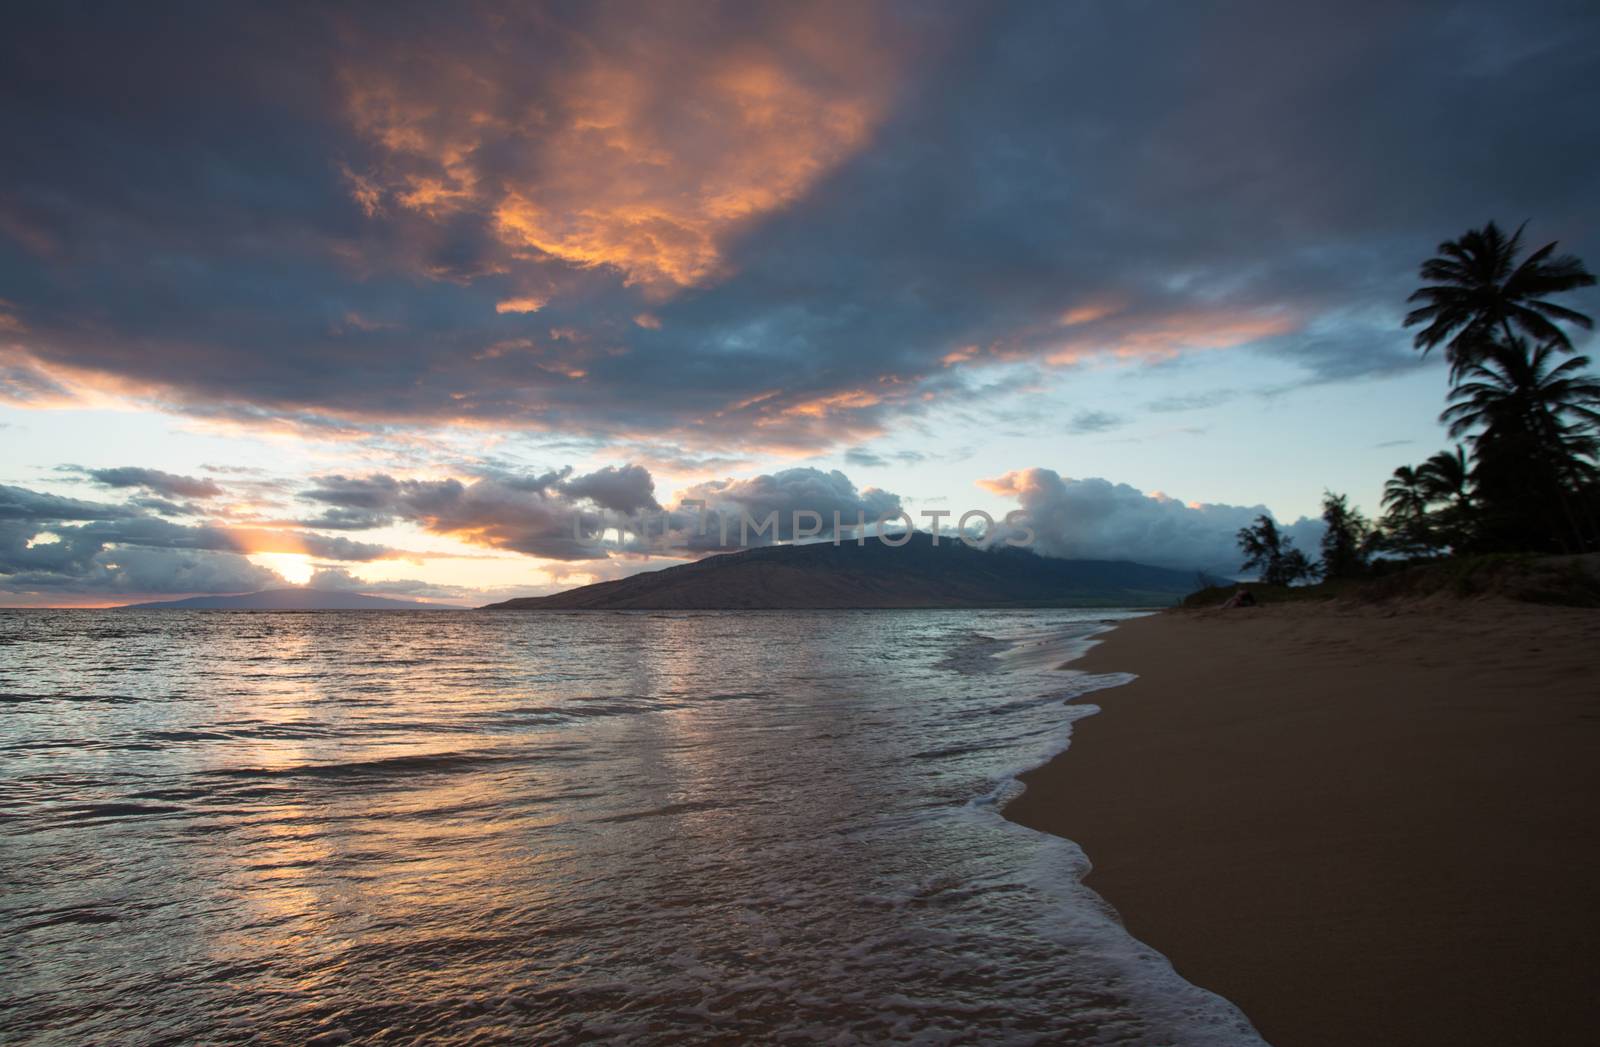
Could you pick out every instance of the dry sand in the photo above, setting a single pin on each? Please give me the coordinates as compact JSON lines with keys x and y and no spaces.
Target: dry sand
{"x":1362,"y":825}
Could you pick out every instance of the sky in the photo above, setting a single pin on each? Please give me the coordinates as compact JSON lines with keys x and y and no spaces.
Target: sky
{"x":377,"y":297}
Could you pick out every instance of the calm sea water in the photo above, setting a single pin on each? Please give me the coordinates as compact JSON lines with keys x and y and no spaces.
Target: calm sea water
{"x":470,"y":827}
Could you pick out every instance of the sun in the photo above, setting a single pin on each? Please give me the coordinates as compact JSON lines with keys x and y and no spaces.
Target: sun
{"x":296,"y":568}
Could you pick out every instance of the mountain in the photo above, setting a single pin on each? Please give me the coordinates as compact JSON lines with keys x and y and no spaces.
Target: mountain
{"x":288,"y":600}
{"x":874,"y":575}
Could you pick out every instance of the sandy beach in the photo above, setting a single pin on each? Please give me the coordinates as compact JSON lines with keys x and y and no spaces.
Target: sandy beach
{"x":1363,"y":825}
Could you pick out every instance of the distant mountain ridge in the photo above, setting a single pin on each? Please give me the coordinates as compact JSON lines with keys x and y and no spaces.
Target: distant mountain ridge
{"x":919,"y":574}
{"x":287,"y":600}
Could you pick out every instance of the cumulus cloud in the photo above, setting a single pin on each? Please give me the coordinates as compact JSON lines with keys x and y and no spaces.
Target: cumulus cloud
{"x":525,"y":514}
{"x":155,"y":533}
{"x":138,"y":570}
{"x":628,"y":490}
{"x":785,"y":493}
{"x":559,"y":516}
{"x":49,"y":543}
{"x":19,"y":503}
{"x":1097,"y":519}
{"x":74,"y":562}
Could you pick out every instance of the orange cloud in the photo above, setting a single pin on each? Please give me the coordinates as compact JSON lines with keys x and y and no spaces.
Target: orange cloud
{"x":1111,"y":330}
{"x":524,"y":304}
{"x":28,"y":381}
{"x":1088,"y":314}
{"x":1164,"y":336}
{"x":1011,"y":484}
{"x":833,"y":403}
{"x":776,"y":422}
{"x":647,"y":154}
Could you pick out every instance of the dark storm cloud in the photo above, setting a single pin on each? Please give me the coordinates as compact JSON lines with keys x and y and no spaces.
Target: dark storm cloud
{"x":403,"y":216}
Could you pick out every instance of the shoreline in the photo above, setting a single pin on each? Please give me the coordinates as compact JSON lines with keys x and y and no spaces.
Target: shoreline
{"x":1358,"y":824}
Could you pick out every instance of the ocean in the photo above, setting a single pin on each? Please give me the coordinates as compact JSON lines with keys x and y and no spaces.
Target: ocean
{"x":634,"y":827}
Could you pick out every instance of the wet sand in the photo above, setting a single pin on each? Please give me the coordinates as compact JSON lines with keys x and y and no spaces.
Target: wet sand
{"x":1362,"y":825}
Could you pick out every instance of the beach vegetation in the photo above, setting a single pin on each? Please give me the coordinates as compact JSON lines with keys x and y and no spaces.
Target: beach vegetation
{"x":1525,"y":476}
{"x":1271,"y":553}
{"x":1533,"y":426}
{"x":1514,"y":505}
{"x":1447,"y":485}
{"x":1571,"y":581}
{"x":1479,"y":291}
{"x":1428,"y":509}
{"x":1406,"y":527}
{"x":1348,"y":540}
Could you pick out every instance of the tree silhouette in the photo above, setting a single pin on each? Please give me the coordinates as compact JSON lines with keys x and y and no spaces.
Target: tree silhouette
{"x":1533,"y":425}
{"x":1404,"y":494}
{"x":1347,"y":541}
{"x":1405,"y":501}
{"x":1446,"y":478}
{"x":1272,"y":553}
{"x":1479,"y":291}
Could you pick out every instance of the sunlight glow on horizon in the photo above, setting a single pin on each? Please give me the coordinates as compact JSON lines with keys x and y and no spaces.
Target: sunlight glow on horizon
{"x":296,"y":568}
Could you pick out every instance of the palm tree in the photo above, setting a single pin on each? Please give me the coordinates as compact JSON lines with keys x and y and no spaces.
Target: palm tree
{"x":1403,"y":494}
{"x":1536,"y":424}
{"x":1513,"y":389}
{"x":1445,"y":478}
{"x":1405,"y":519}
{"x":1479,"y":291}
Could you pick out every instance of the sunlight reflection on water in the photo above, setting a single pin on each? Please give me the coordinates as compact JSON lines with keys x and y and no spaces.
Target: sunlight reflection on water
{"x":551,"y":827}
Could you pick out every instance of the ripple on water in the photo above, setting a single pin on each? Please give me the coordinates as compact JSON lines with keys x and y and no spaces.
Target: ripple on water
{"x":454,"y":828}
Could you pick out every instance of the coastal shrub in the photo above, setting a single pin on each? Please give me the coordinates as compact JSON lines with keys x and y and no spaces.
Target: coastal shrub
{"x":1569,"y":581}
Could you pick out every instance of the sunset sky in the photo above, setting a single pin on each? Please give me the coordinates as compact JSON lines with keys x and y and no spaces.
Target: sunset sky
{"x":375,"y":295}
